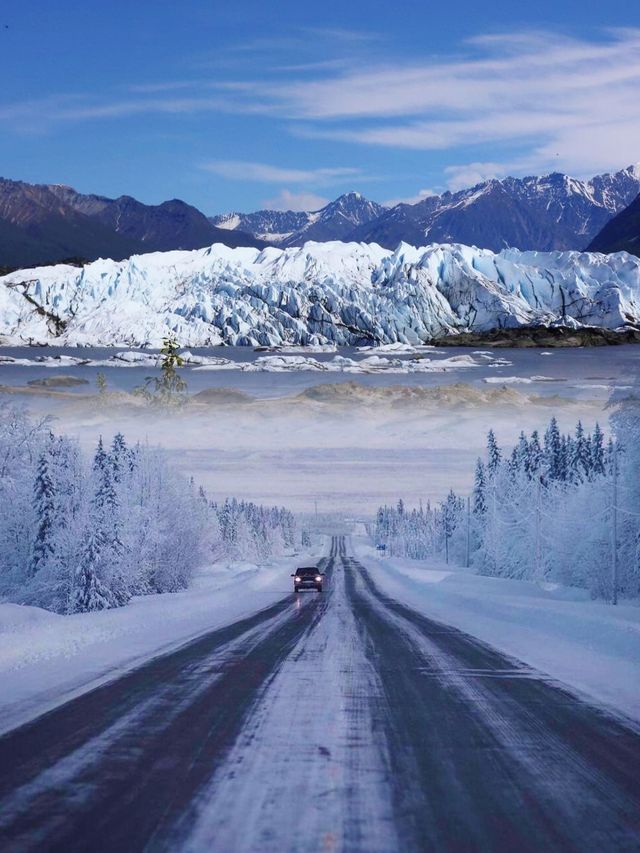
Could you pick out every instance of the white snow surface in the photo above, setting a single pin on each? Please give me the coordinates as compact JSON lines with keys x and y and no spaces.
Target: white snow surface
{"x":317,"y":294}
{"x":46,"y":658}
{"x":590,"y":646}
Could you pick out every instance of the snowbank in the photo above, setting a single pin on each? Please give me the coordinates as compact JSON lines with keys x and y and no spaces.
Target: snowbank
{"x":46,"y":659}
{"x":590,"y":646}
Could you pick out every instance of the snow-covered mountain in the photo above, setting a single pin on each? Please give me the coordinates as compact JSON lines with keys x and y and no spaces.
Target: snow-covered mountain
{"x":539,"y":213}
{"x":345,"y":293}
{"x":336,"y":221}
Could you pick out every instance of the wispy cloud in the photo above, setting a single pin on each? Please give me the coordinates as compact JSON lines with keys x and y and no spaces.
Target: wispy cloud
{"x":564,"y":102}
{"x":559,"y":102}
{"x":470,"y":174}
{"x":411,"y":199}
{"x":287,"y":200}
{"x":243,"y":170}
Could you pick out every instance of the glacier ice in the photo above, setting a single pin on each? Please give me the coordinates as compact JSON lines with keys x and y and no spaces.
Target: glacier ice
{"x":318,"y":294}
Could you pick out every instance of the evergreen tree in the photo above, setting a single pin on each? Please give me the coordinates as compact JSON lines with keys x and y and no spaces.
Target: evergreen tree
{"x":533,"y":462}
{"x":480,"y":490}
{"x":553,"y":452}
{"x":120,"y":457}
{"x":88,"y":591}
{"x":493,"y":453}
{"x":597,"y":452}
{"x":45,"y":509}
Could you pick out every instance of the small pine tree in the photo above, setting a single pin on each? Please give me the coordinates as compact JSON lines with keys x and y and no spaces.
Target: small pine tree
{"x":493,"y":453}
{"x":480,"y":490}
{"x":597,"y":452}
{"x":45,"y":509}
{"x":101,"y":383}
{"x":533,"y":461}
{"x":553,"y":452}
{"x":88,"y":592}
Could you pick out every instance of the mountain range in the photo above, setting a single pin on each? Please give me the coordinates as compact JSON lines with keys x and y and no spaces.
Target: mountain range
{"x":553,"y":212}
{"x":335,"y":292}
{"x":49,"y":223}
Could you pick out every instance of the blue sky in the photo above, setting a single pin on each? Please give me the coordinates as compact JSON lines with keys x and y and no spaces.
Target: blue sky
{"x":240,"y":105}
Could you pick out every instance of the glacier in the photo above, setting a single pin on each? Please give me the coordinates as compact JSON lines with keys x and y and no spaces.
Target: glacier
{"x":319,"y":294}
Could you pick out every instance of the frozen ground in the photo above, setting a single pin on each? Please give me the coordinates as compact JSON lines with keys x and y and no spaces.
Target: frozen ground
{"x":46,"y":658}
{"x":589,"y":645}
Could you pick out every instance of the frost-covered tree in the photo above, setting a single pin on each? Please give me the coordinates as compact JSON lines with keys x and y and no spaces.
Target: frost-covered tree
{"x":480,"y":490}
{"x":45,"y":510}
{"x":542,"y":512}
{"x":88,"y":592}
{"x":494,"y":457}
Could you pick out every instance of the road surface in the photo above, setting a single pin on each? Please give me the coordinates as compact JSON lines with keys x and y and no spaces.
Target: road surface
{"x":343,"y":721}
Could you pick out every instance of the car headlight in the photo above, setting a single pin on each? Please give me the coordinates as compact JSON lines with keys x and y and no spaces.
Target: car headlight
{"x":297,"y":579}
{"x":318,"y":578}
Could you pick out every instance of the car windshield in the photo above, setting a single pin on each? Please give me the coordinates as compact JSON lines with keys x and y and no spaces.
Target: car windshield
{"x":307,"y":571}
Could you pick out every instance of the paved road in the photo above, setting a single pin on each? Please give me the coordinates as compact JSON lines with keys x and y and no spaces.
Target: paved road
{"x":342,"y":721}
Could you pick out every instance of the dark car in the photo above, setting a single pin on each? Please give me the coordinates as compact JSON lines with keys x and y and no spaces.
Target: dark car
{"x":307,"y":577}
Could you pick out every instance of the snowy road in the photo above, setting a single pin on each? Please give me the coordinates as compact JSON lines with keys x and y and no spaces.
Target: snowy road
{"x":345,"y":721}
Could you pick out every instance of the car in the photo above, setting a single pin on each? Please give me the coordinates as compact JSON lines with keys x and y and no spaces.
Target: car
{"x":307,"y":577}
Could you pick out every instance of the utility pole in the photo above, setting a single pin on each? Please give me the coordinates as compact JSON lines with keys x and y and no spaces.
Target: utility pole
{"x":614,"y":530}
{"x":468,"y":553}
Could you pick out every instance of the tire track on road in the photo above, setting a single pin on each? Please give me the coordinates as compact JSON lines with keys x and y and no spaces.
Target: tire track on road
{"x":104,"y":771}
{"x":499,"y":758}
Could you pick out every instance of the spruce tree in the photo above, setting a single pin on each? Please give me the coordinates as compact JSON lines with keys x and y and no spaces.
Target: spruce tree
{"x":597,"y":451}
{"x":480,"y":490}
{"x":45,"y":509}
{"x":493,"y":453}
{"x":533,"y":461}
{"x":553,"y":451}
{"x":88,"y":592}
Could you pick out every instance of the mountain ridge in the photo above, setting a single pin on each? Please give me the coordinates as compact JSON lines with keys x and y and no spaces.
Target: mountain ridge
{"x":46,"y":223}
{"x":542,"y":213}
{"x":622,"y":233}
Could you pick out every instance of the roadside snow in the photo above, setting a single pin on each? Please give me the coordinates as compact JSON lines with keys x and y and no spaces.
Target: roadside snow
{"x":46,"y":659}
{"x":590,"y":646}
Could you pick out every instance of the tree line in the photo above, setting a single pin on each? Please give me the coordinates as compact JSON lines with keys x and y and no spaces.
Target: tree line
{"x":82,"y":532}
{"x":558,"y":507}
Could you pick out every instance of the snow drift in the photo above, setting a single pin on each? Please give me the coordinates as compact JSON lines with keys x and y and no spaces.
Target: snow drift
{"x":341,"y":293}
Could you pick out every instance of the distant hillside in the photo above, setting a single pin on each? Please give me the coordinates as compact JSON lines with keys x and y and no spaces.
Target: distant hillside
{"x":42,"y":223}
{"x":622,"y":233}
